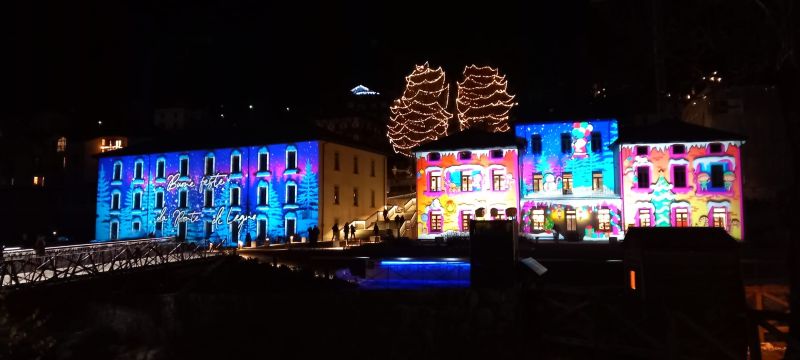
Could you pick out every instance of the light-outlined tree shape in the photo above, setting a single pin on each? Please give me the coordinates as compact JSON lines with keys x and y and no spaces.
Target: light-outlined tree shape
{"x":275,"y":212}
{"x":483,"y":100}
{"x":420,"y":114}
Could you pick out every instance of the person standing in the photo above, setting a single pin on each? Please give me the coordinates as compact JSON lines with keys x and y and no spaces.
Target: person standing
{"x":375,"y":231}
{"x":397,"y":224}
{"x":346,"y":231}
{"x":385,"y":213}
{"x":335,"y":230}
{"x":352,"y":232}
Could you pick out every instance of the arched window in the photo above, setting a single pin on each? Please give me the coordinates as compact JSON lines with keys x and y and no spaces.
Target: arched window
{"x":290,"y":224}
{"x":291,"y":157}
{"x":236,"y":196}
{"x":291,"y":192}
{"x":115,"y":196}
{"x":117,"y":175}
{"x":161,"y":168}
{"x":138,"y":170}
{"x":236,"y":162}
{"x":114,"y":230}
{"x":137,"y":199}
{"x":263,"y":160}
{"x":209,"y":164}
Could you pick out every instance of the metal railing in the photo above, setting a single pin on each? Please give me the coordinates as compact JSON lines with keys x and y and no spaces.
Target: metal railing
{"x":65,"y":262}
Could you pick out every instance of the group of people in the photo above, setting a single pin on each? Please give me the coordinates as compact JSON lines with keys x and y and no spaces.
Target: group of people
{"x":349,"y":229}
{"x":313,"y":234}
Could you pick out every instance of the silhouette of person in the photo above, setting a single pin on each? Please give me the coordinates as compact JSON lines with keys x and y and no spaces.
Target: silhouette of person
{"x":315,"y":237}
{"x":39,"y":245}
{"x":352,"y":232}
{"x":346,"y":233}
{"x":385,"y":214}
{"x":335,"y":230}
{"x":397,"y":223}
{"x":375,"y":230}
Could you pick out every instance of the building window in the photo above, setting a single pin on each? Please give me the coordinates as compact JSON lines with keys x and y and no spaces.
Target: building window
{"x":597,"y":180}
{"x":236,"y":163}
{"x":678,"y":149}
{"x":435,"y":180}
{"x":537,"y":219}
{"x":208,"y":200}
{"x":183,"y":199}
{"x":262,"y":195}
{"x":644,"y":217}
{"x":137,"y":200}
{"x":641,"y":150}
{"x":184,"y":170}
{"x":496,"y":154}
{"x":117,"y":171}
{"x":604,"y":220}
{"x":336,"y":161}
{"x":355,"y":164}
{"x":115,"y":201}
{"x":291,"y":227}
{"x":372,"y":198}
{"x":566,"y":183}
{"x":138,"y":170}
{"x":262,"y":229}
{"x":263,"y":162}
{"x":336,"y":195}
{"x":234,"y":230}
{"x":436,"y":222}
{"x":465,"y":218}
{"x":372,"y":168}
{"x":355,"y":196}
{"x":291,"y":193}
{"x":679,"y":176}
{"x":114,"y":230}
{"x":643,"y":177}
{"x":715,"y":148}
{"x":537,"y":182}
{"x":497,"y":180}
{"x":161,"y":169}
{"x":209,"y":169}
{"x":434,"y":156}
{"x":719,"y":217}
{"x":717,"y":177}
{"x":159,"y":225}
{"x":572,"y":220}
{"x":182,"y":230}
{"x":566,"y":143}
{"x":38,"y":181}
{"x":136,"y":226}
{"x":291,"y":159}
{"x":209,"y":228}
{"x":464,"y":155}
{"x":536,"y":144}
{"x":681,"y":217}
{"x":597,"y":142}
{"x":61,"y":145}
{"x":466,"y":181}
{"x":159,"y":199}
{"x":235,"y":196}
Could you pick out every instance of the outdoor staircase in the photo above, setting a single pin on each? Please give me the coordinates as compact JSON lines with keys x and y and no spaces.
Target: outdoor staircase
{"x":405,"y":205}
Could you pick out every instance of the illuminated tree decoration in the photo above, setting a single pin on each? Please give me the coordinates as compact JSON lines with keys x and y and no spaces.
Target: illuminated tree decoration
{"x":661,"y":198}
{"x":483,"y":99}
{"x":419,"y":116}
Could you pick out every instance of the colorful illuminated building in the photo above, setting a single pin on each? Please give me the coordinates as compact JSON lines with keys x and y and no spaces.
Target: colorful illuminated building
{"x":270,"y":191}
{"x":568,"y":180}
{"x":678,"y":174}
{"x":461,"y":174}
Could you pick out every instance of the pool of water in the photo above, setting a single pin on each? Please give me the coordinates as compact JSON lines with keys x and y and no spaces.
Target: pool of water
{"x":407,"y":273}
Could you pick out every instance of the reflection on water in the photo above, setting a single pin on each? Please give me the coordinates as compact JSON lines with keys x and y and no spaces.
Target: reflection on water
{"x":406,"y":273}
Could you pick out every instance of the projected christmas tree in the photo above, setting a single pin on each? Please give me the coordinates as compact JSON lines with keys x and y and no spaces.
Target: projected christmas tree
{"x":275,"y":212}
{"x":483,"y":100}
{"x":308,"y":198}
{"x":103,"y":205}
{"x":420,"y":115}
{"x":661,"y":199}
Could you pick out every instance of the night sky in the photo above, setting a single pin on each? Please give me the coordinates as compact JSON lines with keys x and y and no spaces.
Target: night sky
{"x":115,"y":61}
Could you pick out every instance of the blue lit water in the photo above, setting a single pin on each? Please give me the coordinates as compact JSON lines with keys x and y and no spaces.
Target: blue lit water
{"x":417,"y":274}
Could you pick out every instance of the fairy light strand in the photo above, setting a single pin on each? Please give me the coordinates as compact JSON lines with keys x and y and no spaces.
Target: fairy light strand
{"x":483,"y":99}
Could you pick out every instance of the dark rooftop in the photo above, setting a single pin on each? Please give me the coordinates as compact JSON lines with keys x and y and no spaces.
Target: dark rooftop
{"x":701,"y":239}
{"x":232,"y":137}
{"x":471,"y":139}
{"x":673,"y":131}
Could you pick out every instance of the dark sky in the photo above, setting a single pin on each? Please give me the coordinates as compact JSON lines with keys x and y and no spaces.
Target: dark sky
{"x":108,"y":59}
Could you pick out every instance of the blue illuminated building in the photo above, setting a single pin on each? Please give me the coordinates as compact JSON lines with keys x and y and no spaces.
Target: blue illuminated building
{"x":568,"y":179}
{"x":222,"y":194}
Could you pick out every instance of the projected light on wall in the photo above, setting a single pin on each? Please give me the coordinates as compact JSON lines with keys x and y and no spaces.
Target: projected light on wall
{"x":453,"y":185}
{"x":683,"y":184}
{"x":268,"y":191}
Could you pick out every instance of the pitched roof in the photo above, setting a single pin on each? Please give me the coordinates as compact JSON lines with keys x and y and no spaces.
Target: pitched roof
{"x":673,"y":131}
{"x":471,"y":139}
{"x":227,"y":138}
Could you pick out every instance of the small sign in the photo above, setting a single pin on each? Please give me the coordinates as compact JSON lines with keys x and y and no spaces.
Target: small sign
{"x":534,"y":265}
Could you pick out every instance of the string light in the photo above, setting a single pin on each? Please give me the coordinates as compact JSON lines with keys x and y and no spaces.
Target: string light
{"x":483,"y":99}
{"x":420,"y":114}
